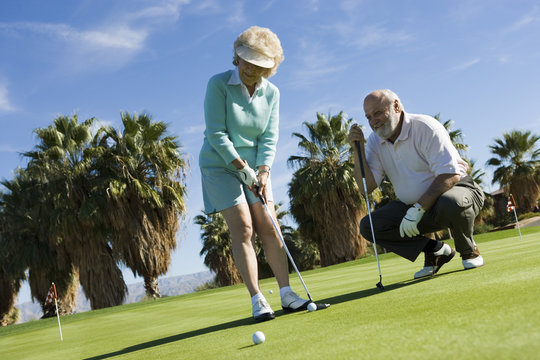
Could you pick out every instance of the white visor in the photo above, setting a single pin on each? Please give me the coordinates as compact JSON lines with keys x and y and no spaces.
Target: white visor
{"x":254,"y":57}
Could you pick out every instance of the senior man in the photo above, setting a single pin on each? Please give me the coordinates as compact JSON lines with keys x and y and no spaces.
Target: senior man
{"x":429,"y":178}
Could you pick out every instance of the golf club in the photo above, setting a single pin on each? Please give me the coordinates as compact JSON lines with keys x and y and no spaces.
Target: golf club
{"x":263,"y":201}
{"x":359,"y":152}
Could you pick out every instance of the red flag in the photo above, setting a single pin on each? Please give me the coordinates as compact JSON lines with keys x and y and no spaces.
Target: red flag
{"x":51,"y":295}
{"x":511,"y":204}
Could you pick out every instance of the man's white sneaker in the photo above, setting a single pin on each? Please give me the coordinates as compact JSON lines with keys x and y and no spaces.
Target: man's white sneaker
{"x":473,"y":263}
{"x":262,"y":311}
{"x":290,"y":302}
{"x":435,"y":260}
{"x":425,"y":271}
{"x":472,"y":260}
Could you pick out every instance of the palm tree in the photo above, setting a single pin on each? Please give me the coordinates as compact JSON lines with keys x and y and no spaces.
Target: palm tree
{"x":61,"y":162}
{"x":517,"y":162}
{"x":10,"y":288}
{"x":304,"y":253}
{"x":142,"y":171}
{"x":325,"y":199}
{"x":487,"y":210}
{"x":27,"y":246}
{"x":456,"y":136}
{"x":475,"y":172}
{"x":12,"y":273}
{"x":217,"y":249}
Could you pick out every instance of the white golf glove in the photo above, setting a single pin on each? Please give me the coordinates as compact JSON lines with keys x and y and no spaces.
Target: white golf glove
{"x":248,"y":176}
{"x":409,"y":224}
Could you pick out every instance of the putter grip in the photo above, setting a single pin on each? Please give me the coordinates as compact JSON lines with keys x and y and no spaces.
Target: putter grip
{"x":260,"y":194}
{"x":359,"y":152}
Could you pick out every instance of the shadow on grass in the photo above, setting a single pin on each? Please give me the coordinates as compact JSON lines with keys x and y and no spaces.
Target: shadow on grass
{"x":174,"y":338}
{"x":249,"y":321}
{"x":375,"y":291}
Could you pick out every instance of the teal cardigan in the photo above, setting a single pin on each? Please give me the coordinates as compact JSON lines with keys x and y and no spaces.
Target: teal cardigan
{"x":237,"y":128}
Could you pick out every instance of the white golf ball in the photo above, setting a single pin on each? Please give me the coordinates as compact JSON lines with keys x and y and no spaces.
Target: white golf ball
{"x":271,"y":292}
{"x":312,"y":307}
{"x":258,"y":337}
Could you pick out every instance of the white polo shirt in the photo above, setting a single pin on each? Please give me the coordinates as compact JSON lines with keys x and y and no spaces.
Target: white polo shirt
{"x":422,"y":151}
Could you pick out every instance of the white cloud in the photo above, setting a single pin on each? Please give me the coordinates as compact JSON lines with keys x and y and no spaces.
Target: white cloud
{"x":237,"y":13}
{"x":117,"y":36}
{"x":316,"y":64}
{"x":197,"y":129}
{"x":269,"y":4}
{"x":5,"y":104}
{"x":205,"y":7}
{"x":164,"y":9}
{"x":113,"y":42}
{"x":121,"y":37}
{"x":524,"y":21}
{"x":466,"y":65}
{"x":109,"y":45}
{"x":377,"y":35}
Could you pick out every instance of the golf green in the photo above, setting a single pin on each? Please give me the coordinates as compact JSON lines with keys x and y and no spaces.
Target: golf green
{"x":486,"y":313}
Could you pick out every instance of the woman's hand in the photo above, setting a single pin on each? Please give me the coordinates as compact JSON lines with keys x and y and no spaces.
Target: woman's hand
{"x":248,"y":176}
{"x":262,"y":176}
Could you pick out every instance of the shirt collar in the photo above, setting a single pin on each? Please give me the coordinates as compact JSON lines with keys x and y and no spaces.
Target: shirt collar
{"x":235,"y":80}
{"x":405,"y":128}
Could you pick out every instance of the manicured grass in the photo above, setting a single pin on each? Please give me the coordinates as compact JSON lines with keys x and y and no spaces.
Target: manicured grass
{"x":487,"y":313}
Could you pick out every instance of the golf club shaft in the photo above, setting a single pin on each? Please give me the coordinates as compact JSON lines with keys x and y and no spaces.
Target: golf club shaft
{"x":284,"y":245}
{"x":359,"y":152}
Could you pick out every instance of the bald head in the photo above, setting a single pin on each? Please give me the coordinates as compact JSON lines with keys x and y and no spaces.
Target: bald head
{"x":383,"y":97}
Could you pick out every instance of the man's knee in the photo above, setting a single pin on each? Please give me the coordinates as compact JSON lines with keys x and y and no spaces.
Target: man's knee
{"x":365,"y":228}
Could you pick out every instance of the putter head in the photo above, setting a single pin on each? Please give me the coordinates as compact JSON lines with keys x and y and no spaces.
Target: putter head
{"x":322,"y":306}
{"x":380,"y":286}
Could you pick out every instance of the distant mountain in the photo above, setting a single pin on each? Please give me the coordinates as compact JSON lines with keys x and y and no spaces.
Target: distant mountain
{"x":168,"y":286}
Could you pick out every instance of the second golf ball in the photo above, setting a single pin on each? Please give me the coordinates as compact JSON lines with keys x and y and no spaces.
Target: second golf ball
{"x":258,"y":337}
{"x":312,"y":307}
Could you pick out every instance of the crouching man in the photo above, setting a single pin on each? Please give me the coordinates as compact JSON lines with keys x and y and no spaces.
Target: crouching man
{"x":429,"y":178}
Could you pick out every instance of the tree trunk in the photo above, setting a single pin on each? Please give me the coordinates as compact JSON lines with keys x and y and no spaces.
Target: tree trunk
{"x":67,"y":285}
{"x":339,"y":235}
{"x":151,"y":287}
{"x":100,"y":277}
{"x":7,"y":299}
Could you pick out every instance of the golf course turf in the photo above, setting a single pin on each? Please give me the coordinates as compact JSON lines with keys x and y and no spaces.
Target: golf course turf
{"x":491,"y":312}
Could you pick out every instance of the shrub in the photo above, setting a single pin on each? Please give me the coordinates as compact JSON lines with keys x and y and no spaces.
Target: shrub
{"x":482,"y":228}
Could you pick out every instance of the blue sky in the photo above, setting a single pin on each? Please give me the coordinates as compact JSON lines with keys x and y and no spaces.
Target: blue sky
{"x":475,"y":62}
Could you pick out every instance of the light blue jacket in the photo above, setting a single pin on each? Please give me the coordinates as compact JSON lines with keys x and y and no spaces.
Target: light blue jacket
{"x":236,"y":127}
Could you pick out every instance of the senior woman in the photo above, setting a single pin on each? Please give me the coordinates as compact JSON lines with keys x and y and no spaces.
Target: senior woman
{"x":241,"y":110}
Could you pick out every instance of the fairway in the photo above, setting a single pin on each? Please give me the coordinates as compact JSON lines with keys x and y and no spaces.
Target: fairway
{"x":486,"y":313}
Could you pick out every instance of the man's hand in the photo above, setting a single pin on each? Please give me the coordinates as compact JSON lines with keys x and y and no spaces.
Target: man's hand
{"x":356,"y":134}
{"x":248,"y":176}
{"x":409,"y":224}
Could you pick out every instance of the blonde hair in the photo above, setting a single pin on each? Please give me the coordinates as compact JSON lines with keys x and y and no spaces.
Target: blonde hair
{"x":262,"y":40}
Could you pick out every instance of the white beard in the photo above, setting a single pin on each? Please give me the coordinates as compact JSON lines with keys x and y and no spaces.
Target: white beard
{"x":385,"y":131}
